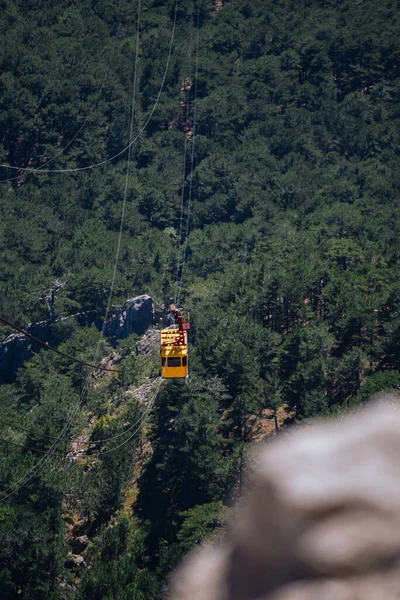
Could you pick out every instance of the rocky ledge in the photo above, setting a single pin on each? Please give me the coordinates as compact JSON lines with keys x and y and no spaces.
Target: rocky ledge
{"x":136,"y":317}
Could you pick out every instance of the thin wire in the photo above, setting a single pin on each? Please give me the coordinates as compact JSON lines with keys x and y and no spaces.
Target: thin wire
{"x":146,"y":414}
{"x":140,"y":422}
{"x":76,"y":440}
{"x":184,"y":172}
{"x":117,"y":436}
{"x":104,"y":162}
{"x":89,"y":113}
{"x":43,"y":435}
{"x":192,"y":160}
{"x":132,"y":435}
{"x":129,"y":159}
{"x":97,"y":98}
{"x":28,"y":447}
{"x":48,"y":347}
{"x":43,"y":461}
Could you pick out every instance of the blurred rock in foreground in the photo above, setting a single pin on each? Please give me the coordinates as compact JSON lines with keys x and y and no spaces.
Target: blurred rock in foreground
{"x":320,"y":522}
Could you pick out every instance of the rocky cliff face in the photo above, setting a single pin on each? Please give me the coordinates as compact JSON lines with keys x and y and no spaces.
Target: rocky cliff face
{"x":136,"y":318}
{"x":17,"y":348}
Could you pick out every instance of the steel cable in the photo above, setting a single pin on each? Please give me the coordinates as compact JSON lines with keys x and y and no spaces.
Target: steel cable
{"x":48,"y":347}
{"x":191,"y":165}
{"x":184,"y":173}
{"x":143,"y":420}
{"x":105,"y":161}
{"x":43,"y":461}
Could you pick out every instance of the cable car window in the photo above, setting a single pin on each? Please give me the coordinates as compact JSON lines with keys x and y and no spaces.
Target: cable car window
{"x":184,"y":361}
{"x":163,"y":361}
{"x":174,"y":361}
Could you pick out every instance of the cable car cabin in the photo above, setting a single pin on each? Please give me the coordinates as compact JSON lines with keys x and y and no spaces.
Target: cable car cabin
{"x":174,"y":346}
{"x":174,"y":353}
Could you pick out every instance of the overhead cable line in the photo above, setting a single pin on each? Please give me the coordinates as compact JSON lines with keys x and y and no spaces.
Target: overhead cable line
{"x":131,"y":142}
{"x":41,"y":435}
{"x":43,"y":461}
{"x":184,"y":168}
{"x":35,"y":470}
{"x":67,"y":438}
{"x":28,"y":447}
{"x":121,"y":227}
{"x":48,"y":347}
{"x":138,"y":421}
{"x":57,"y":155}
{"x":189,"y":206}
{"x":107,"y":72}
{"x":11,"y":424}
{"x":143,"y":420}
{"x":118,"y":435}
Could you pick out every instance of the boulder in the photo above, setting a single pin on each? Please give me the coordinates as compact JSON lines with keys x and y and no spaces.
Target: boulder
{"x":321,"y":520}
{"x":136,"y":318}
{"x":18,"y":348}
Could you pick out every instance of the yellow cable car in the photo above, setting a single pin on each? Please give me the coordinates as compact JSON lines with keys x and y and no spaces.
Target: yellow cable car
{"x":174,"y":349}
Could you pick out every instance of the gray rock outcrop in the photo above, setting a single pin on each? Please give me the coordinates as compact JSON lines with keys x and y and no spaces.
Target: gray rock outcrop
{"x":321,"y":521}
{"x":17,"y":348}
{"x":136,"y":318}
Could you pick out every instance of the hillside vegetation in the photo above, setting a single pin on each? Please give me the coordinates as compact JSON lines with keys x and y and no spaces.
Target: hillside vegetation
{"x":284,"y":152}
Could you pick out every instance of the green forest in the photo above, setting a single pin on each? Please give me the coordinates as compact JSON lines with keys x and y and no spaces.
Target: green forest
{"x":261,"y":190}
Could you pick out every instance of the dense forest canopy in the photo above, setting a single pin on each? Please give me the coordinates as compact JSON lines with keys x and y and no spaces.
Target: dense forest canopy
{"x":271,"y":129}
